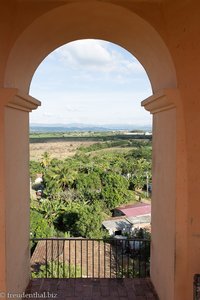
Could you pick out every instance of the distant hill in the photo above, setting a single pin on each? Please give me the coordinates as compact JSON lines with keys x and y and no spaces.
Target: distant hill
{"x":85,"y":127}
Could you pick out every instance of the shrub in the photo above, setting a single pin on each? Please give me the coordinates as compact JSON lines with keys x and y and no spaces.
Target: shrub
{"x":56,"y":269}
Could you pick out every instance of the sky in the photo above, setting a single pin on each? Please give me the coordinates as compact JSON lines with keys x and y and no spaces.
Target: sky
{"x":90,"y":82}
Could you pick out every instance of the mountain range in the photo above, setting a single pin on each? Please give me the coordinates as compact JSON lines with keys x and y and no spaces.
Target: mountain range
{"x":34,"y":127}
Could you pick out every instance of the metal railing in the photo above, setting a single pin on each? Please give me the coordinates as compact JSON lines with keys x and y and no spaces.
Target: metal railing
{"x":90,"y":258}
{"x":196,"y":287}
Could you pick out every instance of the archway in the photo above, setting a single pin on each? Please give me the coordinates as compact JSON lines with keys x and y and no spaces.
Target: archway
{"x":116,"y":24}
{"x":72,"y":22}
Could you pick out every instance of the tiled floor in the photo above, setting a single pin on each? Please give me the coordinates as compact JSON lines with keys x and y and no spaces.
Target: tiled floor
{"x":91,"y":289}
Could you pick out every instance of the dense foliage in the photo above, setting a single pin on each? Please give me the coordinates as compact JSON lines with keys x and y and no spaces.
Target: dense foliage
{"x":78,"y":192}
{"x":56,"y":269}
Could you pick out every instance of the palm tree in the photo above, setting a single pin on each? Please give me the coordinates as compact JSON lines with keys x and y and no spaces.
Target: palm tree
{"x":46,"y":160}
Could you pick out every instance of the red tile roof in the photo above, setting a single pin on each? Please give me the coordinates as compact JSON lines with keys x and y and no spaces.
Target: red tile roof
{"x":134,"y":210}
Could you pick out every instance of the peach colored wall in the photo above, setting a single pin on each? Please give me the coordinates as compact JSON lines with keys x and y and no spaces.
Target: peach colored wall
{"x":184,"y":21}
{"x":164,"y":35}
{"x":2,"y":205}
{"x":14,"y":190}
{"x":17,"y":199}
{"x":109,"y":22}
{"x":163,"y":203}
{"x":169,"y":233}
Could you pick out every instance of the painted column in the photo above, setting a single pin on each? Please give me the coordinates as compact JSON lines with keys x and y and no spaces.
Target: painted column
{"x":14,"y":190}
{"x":169,"y":196}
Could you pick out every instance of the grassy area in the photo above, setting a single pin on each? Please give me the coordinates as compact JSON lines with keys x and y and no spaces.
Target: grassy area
{"x":110,"y":150}
{"x":45,"y":137}
{"x":73,"y":134}
{"x":65,"y":144}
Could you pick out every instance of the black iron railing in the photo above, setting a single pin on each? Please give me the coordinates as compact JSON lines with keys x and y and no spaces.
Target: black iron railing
{"x":196,"y":287}
{"x":90,"y":258}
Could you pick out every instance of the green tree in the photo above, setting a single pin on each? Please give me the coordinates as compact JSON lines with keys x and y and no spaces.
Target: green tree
{"x":115,"y":190}
{"x":88,"y":186}
{"x":46,"y":159}
{"x":56,"y":269}
{"x":51,"y":209}
{"x":39,"y":227}
{"x":90,"y":219}
{"x":141,"y":167}
{"x":35,"y":168}
{"x":81,"y":220}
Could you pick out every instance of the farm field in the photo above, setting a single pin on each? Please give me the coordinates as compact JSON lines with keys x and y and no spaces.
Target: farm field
{"x":60,"y":149}
{"x":64,"y":145}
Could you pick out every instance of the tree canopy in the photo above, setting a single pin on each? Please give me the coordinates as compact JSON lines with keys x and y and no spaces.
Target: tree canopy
{"x":78,"y":192}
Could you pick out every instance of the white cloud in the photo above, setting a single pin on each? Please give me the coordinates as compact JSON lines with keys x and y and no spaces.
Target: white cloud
{"x":88,"y":53}
{"x":95,"y":55}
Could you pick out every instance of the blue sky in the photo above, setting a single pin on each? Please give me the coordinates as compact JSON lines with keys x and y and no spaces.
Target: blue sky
{"x":90,"y":82}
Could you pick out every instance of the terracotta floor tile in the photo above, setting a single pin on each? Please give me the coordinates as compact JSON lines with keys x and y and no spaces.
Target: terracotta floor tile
{"x":94,"y":289}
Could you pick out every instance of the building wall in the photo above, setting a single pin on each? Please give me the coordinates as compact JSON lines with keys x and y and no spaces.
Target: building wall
{"x":183,"y":29}
{"x":163,"y":203}
{"x":164,"y":36}
{"x":17,"y":200}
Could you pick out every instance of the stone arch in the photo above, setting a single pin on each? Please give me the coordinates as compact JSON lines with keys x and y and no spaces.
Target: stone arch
{"x":100,"y":20}
{"x":89,"y":20}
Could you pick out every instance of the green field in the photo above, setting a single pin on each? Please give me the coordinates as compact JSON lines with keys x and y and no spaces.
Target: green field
{"x":85,"y":136}
{"x":66,"y":144}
